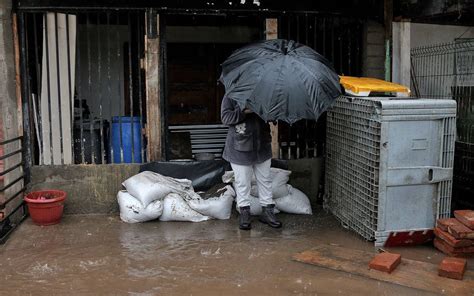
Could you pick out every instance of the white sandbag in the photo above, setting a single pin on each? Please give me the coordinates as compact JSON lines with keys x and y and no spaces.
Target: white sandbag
{"x":132,"y":210}
{"x":278,"y":190}
{"x":295,"y":203}
{"x":149,"y":186}
{"x":218,"y":207}
{"x":228,"y":177}
{"x":255,"y":207}
{"x":279,"y":179}
{"x":176,"y":209}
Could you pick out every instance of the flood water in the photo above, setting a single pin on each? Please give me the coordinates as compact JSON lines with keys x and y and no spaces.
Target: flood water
{"x":100,"y":255}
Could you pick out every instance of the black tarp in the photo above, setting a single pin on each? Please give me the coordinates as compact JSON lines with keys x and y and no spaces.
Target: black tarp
{"x":203,"y":174}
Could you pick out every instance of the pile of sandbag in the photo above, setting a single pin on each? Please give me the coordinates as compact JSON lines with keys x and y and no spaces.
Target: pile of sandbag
{"x":287,"y":199}
{"x":149,"y":196}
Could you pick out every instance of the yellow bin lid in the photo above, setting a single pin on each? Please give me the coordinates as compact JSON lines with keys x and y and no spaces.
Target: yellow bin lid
{"x":363,"y":86}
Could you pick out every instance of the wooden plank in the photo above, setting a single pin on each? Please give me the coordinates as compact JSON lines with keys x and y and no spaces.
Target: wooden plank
{"x":54,"y":101}
{"x":401,"y":53}
{"x":271,"y":32}
{"x":16,"y":44}
{"x":67,"y":94}
{"x":410,"y":273}
{"x":154,"y":126}
{"x":388,"y":18}
{"x":46,"y":93}
{"x":271,"y":28}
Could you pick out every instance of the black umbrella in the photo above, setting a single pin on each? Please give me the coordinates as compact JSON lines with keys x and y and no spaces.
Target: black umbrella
{"x":280,"y":80}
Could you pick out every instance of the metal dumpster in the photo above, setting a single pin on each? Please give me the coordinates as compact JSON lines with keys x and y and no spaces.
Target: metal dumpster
{"x":389,"y":165}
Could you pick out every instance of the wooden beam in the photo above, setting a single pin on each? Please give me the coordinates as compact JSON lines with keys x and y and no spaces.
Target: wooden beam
{"x":154,"y":125}
{"x":401,"y":63}
{"x":271,"y":32}
{"x":388,"y":18}
{"x":410,"y":273}
{"x":16,"y":44}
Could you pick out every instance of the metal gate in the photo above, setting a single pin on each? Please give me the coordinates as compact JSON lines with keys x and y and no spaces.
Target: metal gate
{"x":12,"y":185}
{"x":446,"y":71}
{"x":83,"y":76}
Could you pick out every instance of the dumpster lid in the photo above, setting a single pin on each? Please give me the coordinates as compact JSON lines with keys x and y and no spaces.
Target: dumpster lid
{"x":363,"y":86}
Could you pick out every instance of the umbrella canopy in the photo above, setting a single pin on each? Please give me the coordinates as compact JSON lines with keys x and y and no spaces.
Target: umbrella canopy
{"x":280,"y":80}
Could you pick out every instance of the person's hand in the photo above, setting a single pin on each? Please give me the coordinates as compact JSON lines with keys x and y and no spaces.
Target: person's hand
{"x":247,"y":111}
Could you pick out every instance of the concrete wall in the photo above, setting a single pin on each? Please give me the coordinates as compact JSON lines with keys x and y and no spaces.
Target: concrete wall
{"x":92,"y":189}
{"x":10,"y":105}
{"x":373,"y":50}
{"x":428,"y":34}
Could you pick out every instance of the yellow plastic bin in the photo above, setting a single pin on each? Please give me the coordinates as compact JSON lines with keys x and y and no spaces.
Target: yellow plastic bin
{"x":363,"y":86}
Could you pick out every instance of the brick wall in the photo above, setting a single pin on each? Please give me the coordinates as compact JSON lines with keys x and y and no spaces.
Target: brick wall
{"x":373,"y":56}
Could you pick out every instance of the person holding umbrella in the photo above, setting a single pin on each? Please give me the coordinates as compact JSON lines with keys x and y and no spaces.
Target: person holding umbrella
{"x":273,"y":80}
{"x":248,"y":149}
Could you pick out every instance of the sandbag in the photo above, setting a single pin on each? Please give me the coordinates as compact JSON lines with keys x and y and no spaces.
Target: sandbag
{"x":277,"y":190}
{"x":175,"y":208}
{"x":203,"y":174}
{"x":295,"y":203}
{"x":255,"y":207}
{"x":133,"y":211}
{"x":218,"y":207}
{"x":149,"y":186}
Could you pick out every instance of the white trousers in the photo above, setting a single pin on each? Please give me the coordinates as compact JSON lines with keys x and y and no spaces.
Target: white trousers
{"x":243,"y":182}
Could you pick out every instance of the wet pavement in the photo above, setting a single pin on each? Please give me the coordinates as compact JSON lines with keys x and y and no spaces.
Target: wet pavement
{"x":100,"y":255}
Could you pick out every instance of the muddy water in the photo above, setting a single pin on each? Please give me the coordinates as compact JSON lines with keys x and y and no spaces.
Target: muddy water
{"x":100,"y":255}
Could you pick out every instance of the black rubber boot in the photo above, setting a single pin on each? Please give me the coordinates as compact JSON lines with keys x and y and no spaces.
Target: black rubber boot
{"x":244,"y":218}
{"x":268,"y":217}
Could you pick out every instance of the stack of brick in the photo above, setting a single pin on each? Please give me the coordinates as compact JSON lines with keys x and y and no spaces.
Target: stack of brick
{"x":455,"y":236}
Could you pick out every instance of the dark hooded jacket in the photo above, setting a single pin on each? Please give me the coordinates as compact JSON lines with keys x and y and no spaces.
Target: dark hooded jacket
{"x":248,"y":140}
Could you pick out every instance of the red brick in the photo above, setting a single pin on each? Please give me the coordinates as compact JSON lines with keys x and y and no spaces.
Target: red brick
{"x":456,"y":228}
{"x":453,"y":252}
{"x":443,"y":224}
{"x":385,"y":262}
{"x":452,"y":268}
{"x":451,"y":240}
{"x":466,"y":217}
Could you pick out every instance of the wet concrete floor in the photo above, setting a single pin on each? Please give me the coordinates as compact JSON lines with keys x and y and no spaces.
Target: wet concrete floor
{"x":100,"y":255}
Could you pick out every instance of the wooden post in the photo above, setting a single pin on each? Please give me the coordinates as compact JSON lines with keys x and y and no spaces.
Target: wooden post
{"x":271,"y":32}
{"x":401,"y":53}
{"x":154,"y":126}
{"x":388,"y":18}
{"x":16,"y":44}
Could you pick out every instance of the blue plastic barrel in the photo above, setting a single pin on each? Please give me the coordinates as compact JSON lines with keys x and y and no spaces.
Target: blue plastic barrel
{"x":126,"y":140}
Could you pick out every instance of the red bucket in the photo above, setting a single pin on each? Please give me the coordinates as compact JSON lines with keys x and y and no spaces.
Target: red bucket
{"x":46,"y":206}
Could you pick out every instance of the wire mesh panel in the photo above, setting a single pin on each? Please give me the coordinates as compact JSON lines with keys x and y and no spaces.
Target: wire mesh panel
{"x":447,"y":161}
{"x":352,"y":163}
{"x":446,"y":71}
{"x":85,"y":85}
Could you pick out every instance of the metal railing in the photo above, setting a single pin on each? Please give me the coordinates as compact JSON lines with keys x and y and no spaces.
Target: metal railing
{"x":85,"y":85}
{"x":193,"y":139}
{"x":11,"y":193}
